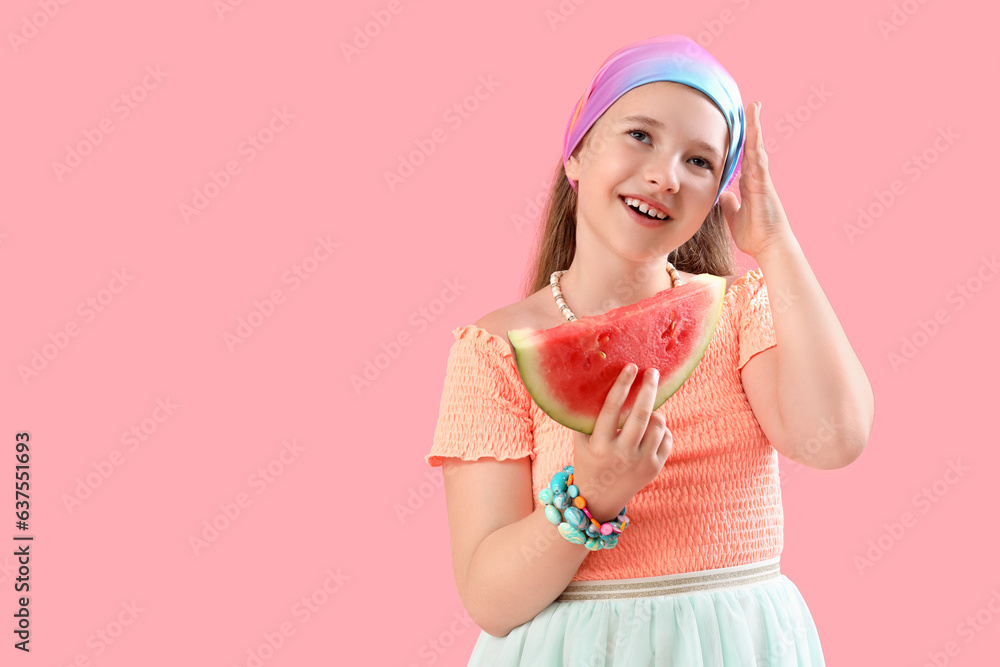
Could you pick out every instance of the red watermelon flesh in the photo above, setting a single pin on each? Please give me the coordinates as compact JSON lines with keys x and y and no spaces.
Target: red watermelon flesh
{"x":570,"y":368}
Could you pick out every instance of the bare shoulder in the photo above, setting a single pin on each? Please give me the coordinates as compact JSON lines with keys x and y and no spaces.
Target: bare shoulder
{"x":529,"y":312}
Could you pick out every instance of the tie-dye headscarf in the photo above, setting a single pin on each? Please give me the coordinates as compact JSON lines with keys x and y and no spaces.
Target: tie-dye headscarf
{"x":661,"y":58}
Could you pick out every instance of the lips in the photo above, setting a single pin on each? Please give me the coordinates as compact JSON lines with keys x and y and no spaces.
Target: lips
{"x":650,"y":204}
{"x":642,"y":218}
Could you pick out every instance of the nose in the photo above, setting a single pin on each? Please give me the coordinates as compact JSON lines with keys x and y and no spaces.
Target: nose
{"x":662,"y":173}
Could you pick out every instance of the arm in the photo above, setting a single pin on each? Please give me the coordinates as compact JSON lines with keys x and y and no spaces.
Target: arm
{"x":510,"y":563}
{"x":810,"y":393}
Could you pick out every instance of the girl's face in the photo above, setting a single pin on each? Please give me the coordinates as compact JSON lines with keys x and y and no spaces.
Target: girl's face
{"x":664,"y":142}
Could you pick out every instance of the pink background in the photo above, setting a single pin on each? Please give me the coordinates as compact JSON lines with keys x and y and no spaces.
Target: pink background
{"x":340,"y":554}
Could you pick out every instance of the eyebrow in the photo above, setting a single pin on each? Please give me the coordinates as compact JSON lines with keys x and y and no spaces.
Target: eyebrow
{"x":652,"y":122}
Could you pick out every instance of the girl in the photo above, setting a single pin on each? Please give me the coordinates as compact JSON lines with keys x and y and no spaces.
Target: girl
{"x":688,"y":573}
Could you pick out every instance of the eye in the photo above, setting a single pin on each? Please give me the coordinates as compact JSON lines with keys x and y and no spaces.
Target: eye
{"x":707,"y":164}
{"x":638,"y":131}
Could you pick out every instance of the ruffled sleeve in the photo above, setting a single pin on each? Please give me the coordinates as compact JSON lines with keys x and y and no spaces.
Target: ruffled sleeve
{"x":485,"y":408}
{"x":756,"y":325}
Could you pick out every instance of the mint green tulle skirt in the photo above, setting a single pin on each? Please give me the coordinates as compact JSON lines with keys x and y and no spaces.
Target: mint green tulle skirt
{"x":745,"y":616}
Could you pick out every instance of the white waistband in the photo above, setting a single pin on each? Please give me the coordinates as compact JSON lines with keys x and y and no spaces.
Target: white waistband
{"x":672,"y":584}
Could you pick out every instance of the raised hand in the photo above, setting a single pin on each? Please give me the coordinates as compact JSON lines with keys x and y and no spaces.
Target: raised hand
{"x":757,"y":219}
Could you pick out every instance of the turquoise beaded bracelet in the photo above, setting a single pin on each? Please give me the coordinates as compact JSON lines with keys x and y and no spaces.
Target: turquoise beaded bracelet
{"x":567,"y":509}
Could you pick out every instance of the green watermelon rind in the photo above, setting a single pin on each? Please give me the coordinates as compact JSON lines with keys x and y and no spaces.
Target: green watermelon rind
{"x":525,"y":358}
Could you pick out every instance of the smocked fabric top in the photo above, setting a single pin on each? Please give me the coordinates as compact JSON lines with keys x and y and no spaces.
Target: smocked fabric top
{"x":717,"y":500}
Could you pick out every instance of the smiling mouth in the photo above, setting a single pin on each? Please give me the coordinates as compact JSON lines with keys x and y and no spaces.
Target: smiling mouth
{"x":646,"y":215}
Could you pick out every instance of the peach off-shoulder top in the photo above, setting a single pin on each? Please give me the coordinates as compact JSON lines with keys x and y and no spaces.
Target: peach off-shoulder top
{"x":717,"y":500}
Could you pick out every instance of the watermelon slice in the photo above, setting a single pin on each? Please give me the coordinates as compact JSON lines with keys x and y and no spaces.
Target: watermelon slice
{"x":570,"y":368}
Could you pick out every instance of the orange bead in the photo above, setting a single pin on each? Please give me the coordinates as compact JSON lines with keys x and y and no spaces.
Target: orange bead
{"x":570,"y":480}
{"x":580,"y":502}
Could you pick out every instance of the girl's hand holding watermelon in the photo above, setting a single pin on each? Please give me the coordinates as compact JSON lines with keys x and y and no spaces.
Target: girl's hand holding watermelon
{"x":633,"y":456}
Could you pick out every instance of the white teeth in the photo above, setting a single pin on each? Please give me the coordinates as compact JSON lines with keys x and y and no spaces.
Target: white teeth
{"x":645,"y":208}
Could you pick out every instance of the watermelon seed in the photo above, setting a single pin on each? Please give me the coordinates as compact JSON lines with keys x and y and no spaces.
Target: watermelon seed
{"x":603,"y":356}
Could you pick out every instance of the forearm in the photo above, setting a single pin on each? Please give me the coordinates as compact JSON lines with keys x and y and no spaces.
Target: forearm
{"x":822,"y":388}
{"x":518,"y":570}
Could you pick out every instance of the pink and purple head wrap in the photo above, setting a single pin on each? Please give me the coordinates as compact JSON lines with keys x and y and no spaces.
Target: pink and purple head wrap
{"x":661,"y":58}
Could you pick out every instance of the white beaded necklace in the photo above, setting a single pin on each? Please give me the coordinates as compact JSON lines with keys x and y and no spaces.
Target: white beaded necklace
{"x":675,"y":281}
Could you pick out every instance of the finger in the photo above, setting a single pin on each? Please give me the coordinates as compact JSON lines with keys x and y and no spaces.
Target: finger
{"x":754,"y":155}
{"x":730,"y":205}
{"x":637,"y":419}
{"x":653,"y":436}
{"x":666,"y":441}
{"x":747,"y":146}
{"x":606,"y":426}
{"x":760,"y":128}
{"x":751,"y":145}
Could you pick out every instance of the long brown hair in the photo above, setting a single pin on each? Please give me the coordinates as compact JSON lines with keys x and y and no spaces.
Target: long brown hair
{"x":708,"y":251}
